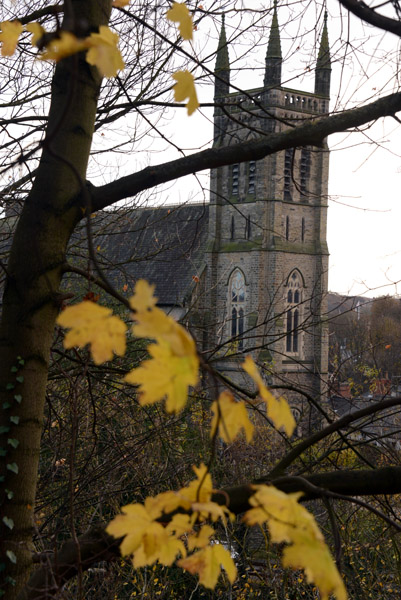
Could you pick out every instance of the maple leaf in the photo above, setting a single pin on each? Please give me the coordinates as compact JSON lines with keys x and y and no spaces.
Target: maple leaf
{"x":10,"y":32}
{"x":201,"y":539}
{"x":278,"y":410}
{"x":180,"y":14}
{"x":92,"y":324}
{"x":143,"y":298}
{"x":104,"y":53}
{"x":62,"y":46}
{"x":230,"y":417}
{"x":174,"y":363}
{"x":185,"y":88}
{"x":207,"y":565}
{"x":290,"y":522}
{"x":37,"y":32}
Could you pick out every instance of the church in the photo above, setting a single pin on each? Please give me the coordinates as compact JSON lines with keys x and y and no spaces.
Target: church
{"x":247,"y":272}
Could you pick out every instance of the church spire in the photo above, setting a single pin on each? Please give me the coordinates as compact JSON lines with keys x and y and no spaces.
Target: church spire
{"x":323,"y":64}
{"x":274,"y":57}
{"x":222,"y":68}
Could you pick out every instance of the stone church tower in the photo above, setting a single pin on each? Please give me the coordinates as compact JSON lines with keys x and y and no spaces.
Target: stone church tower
{"x":267,"y":256}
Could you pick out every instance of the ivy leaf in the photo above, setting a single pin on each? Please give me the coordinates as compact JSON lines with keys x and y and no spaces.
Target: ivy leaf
{"x":10,"y":32}
{"x":14,"y":419}
{"x":18,"y":398}
{"x":180,"y":14}
{"x":13,"y":442}
{"x":13,"y":467}
{"x":278,"y":410}
{"x":230,"y":417}
{"x":11,"y":556}
{"x":185,"y":88}
{"x":92,"y":324}
{"x":207,"y":565}
{"x":8,"y":522}
{"x":290,"y":522}
{"x":104,"y":53}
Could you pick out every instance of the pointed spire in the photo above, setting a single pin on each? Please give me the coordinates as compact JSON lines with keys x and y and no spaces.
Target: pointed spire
{"x":274,"y":47}
{"x":274,"y":57}
{"x":222,"y":68}
{"x":323,"y":63}
{"x":323,"y":59}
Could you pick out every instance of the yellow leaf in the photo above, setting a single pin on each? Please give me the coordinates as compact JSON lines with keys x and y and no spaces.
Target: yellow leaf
{"x":92,"y":324}
{"x":314,"y":558}
{"x":143,"y":298}
{"x":180,"y":14}
{"x":210,"y":510}
{"x":61,"y":47}
{"x":278,"y":410}
{"x":104,"y":53}
{"x":201,"y":539}
{"x":201,"y":488}
{"x":120,"y":3}
{"x":174,"y":363}
{"x":207,"y":565}
{"x":132,"y":524}
{"x":185,"y":88}
{"x":230,"y":417}
{"x":145,"y":538}
{"x":10,"y":32}
{"x":37,"y":31}
{"x":165,"y":375}
{"x":290,"y":522}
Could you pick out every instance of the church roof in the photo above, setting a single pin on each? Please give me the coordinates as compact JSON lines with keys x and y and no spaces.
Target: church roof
{"x":166,"y":246}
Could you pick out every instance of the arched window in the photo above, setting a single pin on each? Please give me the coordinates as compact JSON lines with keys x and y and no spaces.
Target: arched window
{"x":288,"y":164}
{"x":305,"y":167}
{"x":293,"y":313}
{"x":235,"y":180}
{"x":251,"y":177}
{"x":237,"y":307}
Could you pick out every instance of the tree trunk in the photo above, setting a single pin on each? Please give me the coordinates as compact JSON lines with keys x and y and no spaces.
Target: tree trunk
{"x":30,"y":303}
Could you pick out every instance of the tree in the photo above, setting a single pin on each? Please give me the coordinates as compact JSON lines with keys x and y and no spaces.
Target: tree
{"x":57,"y":195}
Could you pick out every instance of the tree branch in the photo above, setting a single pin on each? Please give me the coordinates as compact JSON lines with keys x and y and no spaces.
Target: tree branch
{"x":96,"y":545}
{"x":313,"y":132}
{"x":369,"y":15}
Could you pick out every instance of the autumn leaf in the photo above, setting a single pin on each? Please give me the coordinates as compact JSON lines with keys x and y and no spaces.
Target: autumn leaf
{"x":37,"y":32}
{"x":230,"y":417}
{"x":278,"y":410}
{"x":180,"y":14}
{"x":143,"y":298}
{"x":201,"y":538}
{"x":10,"y":32}
{"x":104,"y":53}
{"x":290,"y":522}
{"x":95,"y":325}
{"x":62,"y":46}
{"x":164,"y":375}
{"x":185,"y":88}
{"x":173,"y":365}
{"x":207,"y":565}
{"x":120,"y":3}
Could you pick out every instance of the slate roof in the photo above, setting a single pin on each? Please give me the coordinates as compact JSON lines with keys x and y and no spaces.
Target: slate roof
{"x":165,"y":246}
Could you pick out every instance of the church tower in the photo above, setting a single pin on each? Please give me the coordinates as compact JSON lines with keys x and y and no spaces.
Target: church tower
{"x":267,"y":256}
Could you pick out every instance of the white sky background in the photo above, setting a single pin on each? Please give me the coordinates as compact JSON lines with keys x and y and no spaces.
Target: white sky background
{"x":364,"y":222}
{"x":364,"y":219}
